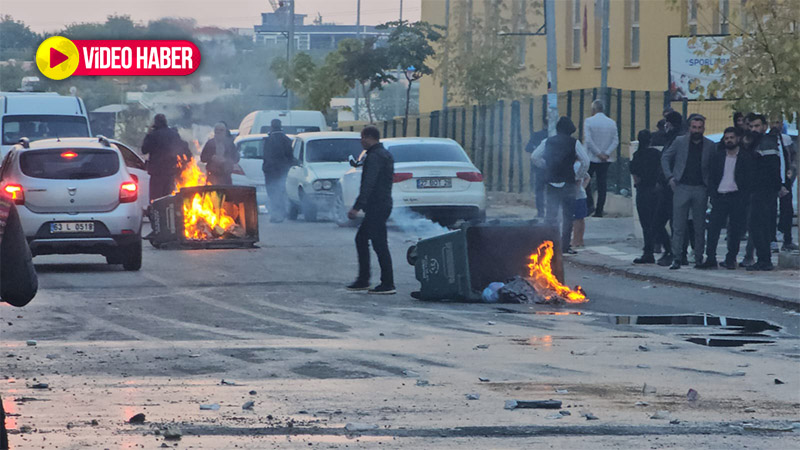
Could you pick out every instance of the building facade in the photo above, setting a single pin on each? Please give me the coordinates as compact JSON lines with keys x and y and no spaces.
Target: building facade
{"x":314,"y":36}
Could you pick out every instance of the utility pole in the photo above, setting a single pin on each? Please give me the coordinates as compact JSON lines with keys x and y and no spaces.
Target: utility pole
{"x":552,"y":66}
{"x":290,"y":51}
{"x":400,"y":70}
{"x":446,"y":36}
{"x":358,"y":36}
{"x":604,"y":57}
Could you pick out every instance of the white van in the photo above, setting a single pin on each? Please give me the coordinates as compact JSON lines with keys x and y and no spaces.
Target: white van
{"x":293,"y":122}
{"x":38,"y":116}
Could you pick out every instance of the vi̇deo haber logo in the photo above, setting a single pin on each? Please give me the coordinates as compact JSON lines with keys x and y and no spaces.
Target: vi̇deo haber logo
{"x":59,"y":58}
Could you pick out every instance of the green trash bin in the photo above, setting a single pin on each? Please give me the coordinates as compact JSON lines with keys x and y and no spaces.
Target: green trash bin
{"x":460,"y":264}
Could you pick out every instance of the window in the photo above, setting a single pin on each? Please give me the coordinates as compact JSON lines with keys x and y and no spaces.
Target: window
{"x":692,"y":17}
{"x":724,"y":13}
{"x":251,"y":149}
{"x":82,"y":164}
{"x":132,"y":160}
{"x":35,"y":127}
{"x":576,"y":32}
{"x":333,"y":150}
{"x":427,"y":152}
{"x":634,"y":32}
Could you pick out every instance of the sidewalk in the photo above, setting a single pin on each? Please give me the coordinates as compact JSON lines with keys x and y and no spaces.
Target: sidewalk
{"x":611,"y":245}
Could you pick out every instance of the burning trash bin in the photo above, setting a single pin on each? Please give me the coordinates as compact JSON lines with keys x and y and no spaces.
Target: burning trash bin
{"x":206,"y":217}
{"x":458,"y":265}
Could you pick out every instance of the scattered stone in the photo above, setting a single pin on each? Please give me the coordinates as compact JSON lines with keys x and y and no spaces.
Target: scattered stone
{"x":533,"y":404}
{"x":70,"y":425}
{"x":749,"y":410}
{"x":642,"y":366}
{"x":51,"y":356}
{"x":381,"y":334}
{"x":564,"y":412}
{"x":423,"y":383}
{"x":482,"y":346}
{"x":473,"y":396}
{"x":660,"y":415}
{"x":562,"y":391}
{"x":643,"y":348}
{"x":743,"y":365}
{"x":249,"y":405}
{"x":360,"y":426}
{"x":584,"y":352}
{"x":674,"y":422}
{"x":225,"y":382}
{"x":410,"y":374}
{"x":94,"y":423}
{"x":253,"y":392}
{"x":777,"y":381}
{"x":483,"y":380}
{"x":648,"y":389}
{"x":172,"y":433}
{"x":194,"y":355}
{"x":554,"y":416}
{"x":642,"y":404}
{"x":692,"y":395}
{"x":25,"y":429}
{"x":753,"y":427}
{"x":138,"y":418}
{"x":31,"y":343}
{"x":211,"y":407}
{"x":164,"y":445}
{"x":590,"y":416}
{"x":47,"y":386}
{"x":490,"y":323}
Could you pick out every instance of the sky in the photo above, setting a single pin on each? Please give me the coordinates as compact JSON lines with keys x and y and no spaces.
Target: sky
{"x":52,"y":15}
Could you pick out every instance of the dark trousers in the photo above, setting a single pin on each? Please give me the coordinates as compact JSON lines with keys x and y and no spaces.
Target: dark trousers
{"x":373,"y":228}
{"x":785,"y":221}
{"x":161,"y":185}
{"x":727,"y":209}
{"x":538,"y":184}
{"x":562,"y":199}
{"x":599,"y":174}
{"x":276,"y":197}
{"x":760,"y":226}
{"x":689,"y":201}
{"x":663,"y":215}
{"x":653,"y":229}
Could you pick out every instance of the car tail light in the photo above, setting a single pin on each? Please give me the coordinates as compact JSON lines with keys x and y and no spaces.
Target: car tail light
{"x":128,"y":192}
{"x":402,"y":176}
{"x":14,"y":192}
{"x":69,"y":154}
{"x":237,"y":170}
{"x":475,"y":177}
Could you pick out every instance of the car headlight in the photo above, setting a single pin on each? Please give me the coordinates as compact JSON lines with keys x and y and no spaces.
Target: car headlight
{"x":317,"y":185}
{"x":327,"y":184}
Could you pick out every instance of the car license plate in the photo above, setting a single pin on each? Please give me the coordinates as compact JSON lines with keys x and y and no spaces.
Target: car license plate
{"x":72,"y":227}
{"x":428,"y":183}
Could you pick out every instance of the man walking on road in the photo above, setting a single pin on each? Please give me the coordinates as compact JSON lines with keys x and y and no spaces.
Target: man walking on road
{"x":601,"y":140}
{"x":728,"y":184}
{"x":766,"y":186}
{"x":164,"y":145}
{"x":686,"y":166}
{"x":277,"y":161}
{"x":375,"y":199}
{"x":220,"y":155}
{"x":558,"y":155}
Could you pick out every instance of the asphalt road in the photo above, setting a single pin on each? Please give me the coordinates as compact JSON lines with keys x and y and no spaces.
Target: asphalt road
{"x":277,"y":321}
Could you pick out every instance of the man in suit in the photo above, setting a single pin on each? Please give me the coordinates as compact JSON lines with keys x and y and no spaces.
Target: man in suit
{"x":600,"y":137}
{"x":686,"y":166}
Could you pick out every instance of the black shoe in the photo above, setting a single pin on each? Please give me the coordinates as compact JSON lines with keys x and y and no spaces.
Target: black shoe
{"x":657,"y":249}
{"x":709,"y":264}
{"x":383,"y":289}
{"x":790,"y":247}
{"x":597,"y":214}
{"x":665,"y":260}
{"x":645,"y":259}
{"x":747,"y":262}
{"x":675,"y":265}
{"x":730,"y":265}
{"x":570,"y":251}
{"x":766,"y":267}
{"x":358,"y":285}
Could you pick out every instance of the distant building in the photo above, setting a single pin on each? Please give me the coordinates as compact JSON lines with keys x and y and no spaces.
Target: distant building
{"x":315,"y":36}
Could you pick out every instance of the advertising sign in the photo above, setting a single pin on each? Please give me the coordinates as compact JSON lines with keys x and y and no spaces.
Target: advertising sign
{"x":687,"y":79}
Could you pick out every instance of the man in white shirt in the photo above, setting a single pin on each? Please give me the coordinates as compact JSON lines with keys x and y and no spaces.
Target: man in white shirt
{"x":601,"y":138}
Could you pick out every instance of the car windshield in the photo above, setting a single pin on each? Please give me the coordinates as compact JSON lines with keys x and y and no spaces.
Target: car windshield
{"x":292,"y":129}
{"x":69,"y":164}
{"x":332,"y":150}
{"x":42,"y":127}
{"x":447,"y":152}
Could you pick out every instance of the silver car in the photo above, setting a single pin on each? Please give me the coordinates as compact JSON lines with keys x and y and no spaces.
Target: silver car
{"x":76,"y":195}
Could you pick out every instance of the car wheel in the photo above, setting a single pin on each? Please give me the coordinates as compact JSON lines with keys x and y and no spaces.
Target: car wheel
{"x":309,"y":209}
{"x":132,"y":256}
{"x":294,"y":211}
{"x":340,"y":211}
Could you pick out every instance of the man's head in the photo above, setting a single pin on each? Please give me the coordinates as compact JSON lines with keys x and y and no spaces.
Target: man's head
{"x":220,"y":130}
{"x":730,"y":138}
{"x":276,"y":125}
{"x":776,"y":124}
{"x":597,"y":106}
{"x":644,"y":138}
{"x":370,"y":136}
{"x":160,"y":121}
{"x":674,"y":120}
{"x":738,"y":120}
{"x":697,"y":126}
{"x":667,"y":110}
{"x":758,"y":123}
{"x":565,"y":126}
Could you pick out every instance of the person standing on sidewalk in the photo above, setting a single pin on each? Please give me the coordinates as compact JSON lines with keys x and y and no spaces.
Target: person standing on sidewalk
{"x":277,"y":161}
{"x":728,"y":187}
{"x":788,"y":156}
{"x":558,"y":155}
{"x":538,"y":182}
{"x":649,"y":182}
{"x":375,"y":199}
{"x":601,"y":140}
{"x":686,"y":168}
{"x":766,"y":186}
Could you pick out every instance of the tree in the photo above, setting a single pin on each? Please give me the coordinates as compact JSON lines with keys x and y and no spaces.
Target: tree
{"x":364,"y":65}
{"x":315,"y":85}
{"x":410,"y":48}
{"x":16,"y":39}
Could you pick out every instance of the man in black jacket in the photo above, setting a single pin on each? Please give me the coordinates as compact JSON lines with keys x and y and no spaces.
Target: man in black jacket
{"x":375,"y":199}
{"x":728,"y":188}
{"x":277,"y":161}
{"x":649,"y":181}
{"x":164,"y":145}
{"x":538,"y":174}
{"x":220,"y":155}
{"x":766,"y":184}
{"x":661,"y":140}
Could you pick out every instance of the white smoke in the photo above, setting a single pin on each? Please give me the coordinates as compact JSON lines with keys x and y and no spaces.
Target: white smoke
{"x":415,"y":225}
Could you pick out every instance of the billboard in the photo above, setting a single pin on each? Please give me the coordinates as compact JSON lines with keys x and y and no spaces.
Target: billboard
{"x":687,"y":58}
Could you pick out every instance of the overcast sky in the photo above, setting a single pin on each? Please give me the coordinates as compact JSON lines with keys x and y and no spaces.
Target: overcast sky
{"x":52,"y":15}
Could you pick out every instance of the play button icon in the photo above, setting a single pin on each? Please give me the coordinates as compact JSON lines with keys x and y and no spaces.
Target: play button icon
{"x":56,"y":57}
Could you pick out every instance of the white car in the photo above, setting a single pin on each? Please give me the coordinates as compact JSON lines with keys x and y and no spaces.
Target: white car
{"x":321,"y":158}
{"x":432,"y":176}
{"x":251,"y":154}
{"x":76,"y":195}
{"x":138,"y":170}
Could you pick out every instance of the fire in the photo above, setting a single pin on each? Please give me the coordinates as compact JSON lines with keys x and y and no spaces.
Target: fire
{"x":204,"y":215}
{"x":544,"y":280}
{"x":191,"y":174}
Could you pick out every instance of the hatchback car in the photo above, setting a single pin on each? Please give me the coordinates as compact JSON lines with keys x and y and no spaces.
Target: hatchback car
{"x":321,"y":159}
{"x":76,"y":195}
{"x":433,"y":177}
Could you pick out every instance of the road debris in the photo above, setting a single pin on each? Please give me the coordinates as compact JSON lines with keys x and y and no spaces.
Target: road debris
{"x":646,"y":389}
{"x":692,"y":395}
{"x":777,"y":381}
{"x":642,"y":366}
{"x":589,"y":415}
{"x":564,"y":412}
{"x":225,"y":382}
{"x":138,"y":418}
{"x":749,"y":410}
{"x":360,"y":426}
{"x":481,"y":346}
{"x":483,"y":380}
{"x":674,"y":422}
{"x":423,"y":383}
{"x":40,"y":386}
{"x":252,"y":392}
{"x":31,"y":343}
{"x":211,"y":407}
{"x":410,"y":374}
{"x":643,"y":348}
{"x":249,"y":405}
{"x":473,"y":396}
{"x":172,"y":433}
{"x":660,"y":415}
{"x":562,"y":391}
{"x":642,"y":404}
{"x":532,"y":404}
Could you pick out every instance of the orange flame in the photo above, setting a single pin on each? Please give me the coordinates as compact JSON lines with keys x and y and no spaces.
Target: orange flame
{"x":544,"y":281}
{"x":191,"y":174}
{"x":204,"y":215}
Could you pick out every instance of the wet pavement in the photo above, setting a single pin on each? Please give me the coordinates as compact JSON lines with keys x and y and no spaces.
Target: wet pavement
{"x":276,"y":324}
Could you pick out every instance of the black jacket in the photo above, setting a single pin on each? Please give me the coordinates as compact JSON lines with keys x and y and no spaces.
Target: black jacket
{"x":219,"y":173}
{"x":646,"y":165}
{"x":377,"y":178}
{"x":164,"y":145}
{"x":277,"y":155}
{"x":18,"y":280}
{"x":741,"y":172}
{"x":560,"y":154}
{"x":766,"y":174}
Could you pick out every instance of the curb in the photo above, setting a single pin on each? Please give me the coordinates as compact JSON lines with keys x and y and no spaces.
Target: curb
{"x":783,"y":302}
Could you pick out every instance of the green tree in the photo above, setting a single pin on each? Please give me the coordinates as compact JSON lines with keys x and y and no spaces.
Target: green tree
{"x":314,"y":84}
{"x":364,"y":65}
{"x":16,"y":39}
{"x":410,"y":48}
{"x":11,"y":76}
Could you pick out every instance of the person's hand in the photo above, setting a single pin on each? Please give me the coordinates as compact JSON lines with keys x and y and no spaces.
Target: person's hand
{"x":789,"y":173}
{"x":603,"y":157}
{"x":218,"y":159}
{"x":783,"y":192}
{"x":672,"y":183}
{"x":352,"y":214}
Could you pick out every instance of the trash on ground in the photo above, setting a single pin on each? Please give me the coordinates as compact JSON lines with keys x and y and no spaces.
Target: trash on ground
{"x":491,"y":293}
{"x":423,"y":383}
{"x":777,"y":381}
{"x":533,"y":404}
{"x":31,"y":343}
{"x":482,"y":346}
{"x":674,"y":422}
{"x":554,"y":416}
{"x":692,"y":395}
{"x":589,"y":415}
{"x":225,"y":382}
{"x":584,"y":352}
{"x":360,"y":426}
{"x":562,"y":391}
{"x":483,"y":380}
{"x":249,"y":405}
{"x":172,"y":433}
{"x":647,"y":389}
{"x":252,"y":392}
{"x":642,"y":366}
{"x":473,"y":396}
{"x":410,"y":374}
{"x":138,"y":418}
{"x":211,"y":407}
{"x":40,"y":386}
{"x":642,"y":404}
{"x":564,"y":412}
{"x":643,"y":348}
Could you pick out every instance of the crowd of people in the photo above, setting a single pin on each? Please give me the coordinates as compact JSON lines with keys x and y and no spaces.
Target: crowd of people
{"x":746,"y":176}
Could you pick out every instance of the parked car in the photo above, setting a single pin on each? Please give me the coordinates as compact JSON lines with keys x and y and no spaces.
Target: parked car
{"x":76,"y":195}
{"x":40,"y":116}
{"x":321,"y":159}
{"x":433,"y":177}
{"x":292,"y":122}
{"x":251,"y":154}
